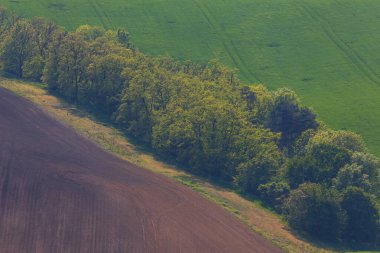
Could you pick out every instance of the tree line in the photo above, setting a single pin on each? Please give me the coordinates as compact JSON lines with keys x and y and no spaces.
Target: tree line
{"x":266,"y":143}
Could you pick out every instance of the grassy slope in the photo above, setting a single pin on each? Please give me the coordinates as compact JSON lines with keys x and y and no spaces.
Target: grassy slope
{"x":251,"y":213}
{"x":328,"y":51}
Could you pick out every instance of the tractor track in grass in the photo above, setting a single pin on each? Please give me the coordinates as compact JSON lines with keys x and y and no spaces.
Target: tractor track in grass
{"x":355,"y":58}
{"x":227,"y":43}
{"x":61,"y":193}
{"x":102,"y":15}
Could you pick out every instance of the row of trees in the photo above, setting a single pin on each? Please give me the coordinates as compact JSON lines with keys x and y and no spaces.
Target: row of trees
{"x":264,"y":142}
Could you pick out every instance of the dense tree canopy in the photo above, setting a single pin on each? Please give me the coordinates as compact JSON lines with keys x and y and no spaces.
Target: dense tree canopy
{"x":263,"y":142}
{"x":361,"y":225}
{"x":314,"y":209}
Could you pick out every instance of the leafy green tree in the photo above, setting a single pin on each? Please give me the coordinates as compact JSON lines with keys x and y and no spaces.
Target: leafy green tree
{"x":174,"y":136}
{"x":258,"y":158}
{"x":213,"y":125}
{"x":148,"y":93}
{"x":216,"y":72}
{"x":330,"y":159}
{"x":302,"y":169}
{"x":123,"y":37}
{"x":274,"y":193}
{"x":370,"y":163}
{"x":300,"y":146}
{"x":249,"y":97}
{"x":362,"y":224}
{"x":17,"y":47}
{"x":320,"y":164}
{"x":89,"y":33}
{"x":73,"y":61}
{"x":352,"y":175}
{"x":105,"y":82}
{"x":371,"y":167}
{"x":256,"y":171}
{"x":344,"y":139}
{"x":259,"y":102}
{"x":44,"y":33}
{"x":33,"y":68}
{"x":289,"y":119}
{"x":50,"y":72}
{"x":216,"y":124}
{"x":315,"y":210}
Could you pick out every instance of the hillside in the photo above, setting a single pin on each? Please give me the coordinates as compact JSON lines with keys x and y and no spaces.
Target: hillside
{"x":201,"y":117}
{"x":327,"y":51}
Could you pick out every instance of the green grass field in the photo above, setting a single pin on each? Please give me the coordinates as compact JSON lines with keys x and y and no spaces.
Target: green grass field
{"x":326,"y":50}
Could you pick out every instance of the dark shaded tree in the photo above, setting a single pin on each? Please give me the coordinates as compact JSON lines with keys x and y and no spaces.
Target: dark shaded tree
{"x":274,"y":193}
{"x":329,"y":159}
{"x":302,"y":169}
{"x":289,"y":118}
{"x":362,"y":223}
{"x":315,"y":210}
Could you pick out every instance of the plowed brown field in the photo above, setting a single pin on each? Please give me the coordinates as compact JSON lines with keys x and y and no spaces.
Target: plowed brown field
{"x":60,"y":193}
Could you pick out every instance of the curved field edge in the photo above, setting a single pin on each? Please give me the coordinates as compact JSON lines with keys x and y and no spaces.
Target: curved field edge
{"x":259,"y":219}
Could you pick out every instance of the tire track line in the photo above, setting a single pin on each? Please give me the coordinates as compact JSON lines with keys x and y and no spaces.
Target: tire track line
{"x":227,"y":43}
{"x":347,"y":50}
{"x":103,"y":18}
{"x":104,"y":13}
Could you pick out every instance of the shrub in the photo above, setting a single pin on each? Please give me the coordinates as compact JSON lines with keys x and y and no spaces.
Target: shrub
{"x":315,"y":210}
{"x":273,"y":193}
{"x":362,"y":223}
